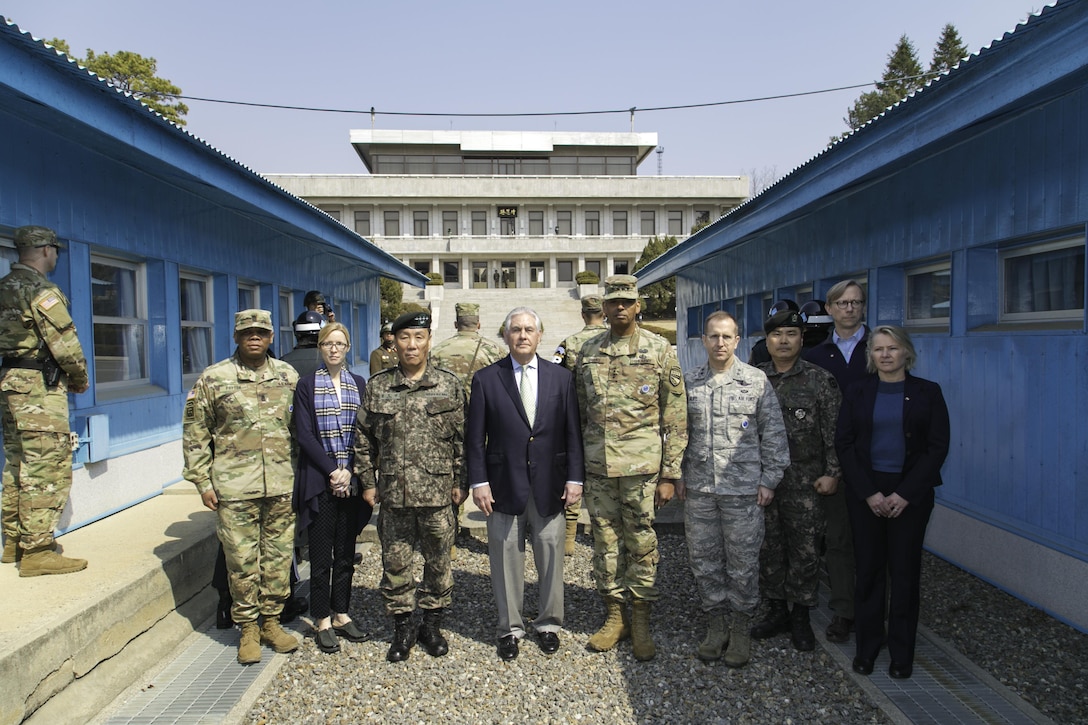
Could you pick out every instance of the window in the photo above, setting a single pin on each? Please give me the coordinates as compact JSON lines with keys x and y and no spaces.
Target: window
{"x":536,"y":274}
{"x":451,"y":272}
{"x":676,"y":222}
{"x":621,"y":266}
{"x":803,"y":295}
{"x":8,"y":255}
{"x":362,"y":223}
{"x":1043,"y":282}
{"x":594,"y":266}
{"x":118,"y":306}
{"x":695,"y":321}
{"x":621,"y":166}
{"x":929,"y":294}
{"x":449,"y":223}
{"x":619,"y":223}
{"x":563,"y":223}
{"x":593,"y":223}
{"x":508,"y":226}
{"x":479,"y":275}
{"x":479,"y":223}
{"x":536,"y":223}
{"x":392,"y":223}
{"x":286,"y":333}
{"x":564,"y":166}
{"x":591,"y":166}
{"x":564,"y":270}
{"x":249,"y":296}
{"x":646,"y":225}
{"x":196,"y":325}
{"x":334,"y":213}
{"x":423,"y":266}
{"x":421,"y":225}
{"x":702,"y":216}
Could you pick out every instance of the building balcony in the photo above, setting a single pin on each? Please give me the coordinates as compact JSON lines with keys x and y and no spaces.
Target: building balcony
{"x":495,"y":245}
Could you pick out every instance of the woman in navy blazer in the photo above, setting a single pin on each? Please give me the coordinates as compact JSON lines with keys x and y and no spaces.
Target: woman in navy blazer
{"x":892,"y":439}
{"x":327,"y":496}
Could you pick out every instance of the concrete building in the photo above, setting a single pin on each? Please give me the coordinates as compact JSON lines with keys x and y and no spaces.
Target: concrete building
{"x":963,"y":210}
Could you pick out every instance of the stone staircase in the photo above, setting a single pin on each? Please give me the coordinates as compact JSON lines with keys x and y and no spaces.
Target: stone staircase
{"x":560,"y":310}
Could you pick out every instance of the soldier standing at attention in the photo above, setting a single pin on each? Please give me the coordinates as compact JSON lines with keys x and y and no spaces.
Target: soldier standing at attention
{"x":305,"y":358}
{"x":789,"y":568}
{"x":737,"y":451}
{"x":409,"y":456}
{"x":43,"y":362}
{"x":567,"y":355}
{"x":240,"y":454}
{"x":631,"y":395}
{"x":384,"y":356}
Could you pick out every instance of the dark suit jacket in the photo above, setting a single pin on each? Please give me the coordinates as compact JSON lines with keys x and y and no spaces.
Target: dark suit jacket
{"x":828,"y":356}
{"x":314,"y":464}
{"x":925,"y":427}
{"x":502,"y":450}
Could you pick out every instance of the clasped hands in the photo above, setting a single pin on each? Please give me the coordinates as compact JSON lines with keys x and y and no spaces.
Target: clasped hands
{"x":887,"y":507}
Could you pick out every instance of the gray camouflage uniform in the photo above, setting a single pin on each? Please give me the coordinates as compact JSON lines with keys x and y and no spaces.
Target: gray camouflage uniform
{"x":736,"y":443}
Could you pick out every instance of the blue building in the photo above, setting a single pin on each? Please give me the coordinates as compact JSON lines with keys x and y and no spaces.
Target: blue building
{"x":166,"y":239}
{"x":963,"y":211}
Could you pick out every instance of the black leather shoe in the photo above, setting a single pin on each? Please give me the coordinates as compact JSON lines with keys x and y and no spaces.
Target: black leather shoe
{"x":839,"y":629}
{"x":327,"y":642}
{"x":863,"y":666}
{"x":350,"y":632}
{"x":549,"y":642}
{"x":508,"y":647}
{"x":293,"y":607}
{"x":900,"y":671}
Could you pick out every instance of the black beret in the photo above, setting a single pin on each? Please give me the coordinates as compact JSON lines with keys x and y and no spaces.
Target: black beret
{"x":786,"y":318}
{"x":412,"y":319}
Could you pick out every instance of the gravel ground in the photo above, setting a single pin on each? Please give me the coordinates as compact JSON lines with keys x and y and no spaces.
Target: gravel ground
{"x":471,"y":684}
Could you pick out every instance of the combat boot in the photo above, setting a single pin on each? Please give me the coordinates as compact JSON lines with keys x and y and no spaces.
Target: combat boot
{"x":740,"y":642}
{"x":717,"y":636}
{"x":777,"y":620}
{"x":47,"y":561}
{"x":572,"y":531}
{"x":404,"y":636}
{"x":11,"y":551}
{"x":430,"y":633}
{"x":642,"y":644}
{"x":614,"y":629}
{"x":249,"y":645}
{"x":801,"y":634}
{"x":272,"y":634}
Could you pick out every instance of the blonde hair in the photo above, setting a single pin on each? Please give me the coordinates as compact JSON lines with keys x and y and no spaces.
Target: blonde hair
{"x":901,"y":337}
{"x":839,"y":289}
{"x":332,"y":327}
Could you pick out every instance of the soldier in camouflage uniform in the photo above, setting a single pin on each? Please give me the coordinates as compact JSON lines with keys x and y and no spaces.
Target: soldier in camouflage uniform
{"x":737,"y":451}
{"x":237,"y":437}
{"x":409,"y":456}
{"x":790,"y":560}
{"x":631,"y":396}
{"x":384,"y":356}
{"x":43,"y":362}
{"x":567,"y":355}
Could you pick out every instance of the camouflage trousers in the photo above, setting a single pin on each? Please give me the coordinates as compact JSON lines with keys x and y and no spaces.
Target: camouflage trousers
{"x":621,"y":513}
{"x":37,"y":463}
{"x":258,"y":537}
{"x":789,"y":563}
{"x":724,"y":535}
{"x":400,"y":531}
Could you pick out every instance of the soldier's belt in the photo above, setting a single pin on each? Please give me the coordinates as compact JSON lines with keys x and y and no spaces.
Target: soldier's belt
{"x":23,"y":363}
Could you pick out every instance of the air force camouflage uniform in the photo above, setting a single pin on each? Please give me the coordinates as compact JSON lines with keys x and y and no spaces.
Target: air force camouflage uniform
{"x":35,"y":328}
{"x":631,"y":394}
{"x":736,"y":443}
{"x":411,"y":445}
{"x":238,"y":440}
{"x":790,"y":559}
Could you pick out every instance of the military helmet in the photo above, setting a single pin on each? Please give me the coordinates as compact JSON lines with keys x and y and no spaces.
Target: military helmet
{"x":813,"y":312}
{"x":308,"y":324}
{"x":783,"y":305}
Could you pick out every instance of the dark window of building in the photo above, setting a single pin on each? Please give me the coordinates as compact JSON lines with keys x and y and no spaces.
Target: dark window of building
{"x":564,"y":270}
{"x":593,"y":223}
{"x":646,"y":227}
{"x":479,"y":223}
{"x":449,"y":223}
{"x":362,"y":223}
{"x":392,"y":223}
{"x":619,"y":223}
{"x":421,"y":225}
{"x":536,"y":223}
{"x":676,"y":222}
{"x":563,"y":223}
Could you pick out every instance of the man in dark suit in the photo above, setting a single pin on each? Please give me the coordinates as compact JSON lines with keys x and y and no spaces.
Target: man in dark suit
{"x":523,"y":447}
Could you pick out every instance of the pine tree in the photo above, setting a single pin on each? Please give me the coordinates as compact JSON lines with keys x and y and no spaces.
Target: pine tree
{"x":949,"y":51}
{"x":902,"y":76}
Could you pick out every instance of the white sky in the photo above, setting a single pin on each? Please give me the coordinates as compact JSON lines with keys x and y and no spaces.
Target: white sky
{"x":476,"y":56}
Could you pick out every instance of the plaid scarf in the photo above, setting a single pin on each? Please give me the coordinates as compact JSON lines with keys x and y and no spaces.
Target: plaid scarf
{"x":336,"y":416}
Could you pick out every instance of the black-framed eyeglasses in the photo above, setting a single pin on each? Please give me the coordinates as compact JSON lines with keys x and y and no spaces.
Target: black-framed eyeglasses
{"x":334,"y":345}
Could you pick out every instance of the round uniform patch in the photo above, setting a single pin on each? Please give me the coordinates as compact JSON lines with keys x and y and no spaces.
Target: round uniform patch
{"x":644,"y":389}
{"x":799,"y":414}
{"x":744,"y":423}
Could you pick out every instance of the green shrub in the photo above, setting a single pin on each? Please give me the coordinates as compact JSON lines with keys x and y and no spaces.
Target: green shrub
{"x":587,"y":277}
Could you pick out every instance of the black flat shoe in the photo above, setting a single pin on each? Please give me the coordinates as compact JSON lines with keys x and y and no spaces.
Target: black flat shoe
{"x":327,"y":642}
{"x":549,"y":642}
{"x":863,"y":666}
{"x":350,"y":632}
{"x":507,"y":648}
{"x":900,"y":671}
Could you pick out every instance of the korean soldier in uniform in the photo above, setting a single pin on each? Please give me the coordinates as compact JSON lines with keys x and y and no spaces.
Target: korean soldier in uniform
{"x":43,"y":362}
{"x":239,"y":452}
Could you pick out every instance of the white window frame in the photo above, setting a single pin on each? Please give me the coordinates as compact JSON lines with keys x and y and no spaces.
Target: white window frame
{"x":254,"y":289}
{"x":943,"y":266}
{"x":286,"y":333}
{"x":1069,"y":315}
{"x":140,"y":320}
{"x":188,"y":378}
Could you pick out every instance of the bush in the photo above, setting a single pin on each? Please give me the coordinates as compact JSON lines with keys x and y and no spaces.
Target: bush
{"x":587,"y":277}
{"x":434,"y":278}
{"x":669,"y":333}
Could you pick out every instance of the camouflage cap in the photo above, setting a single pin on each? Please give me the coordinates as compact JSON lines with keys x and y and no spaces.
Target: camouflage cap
{"x":412,"y":319}
{"x":621,"y":287}
{"x":248,"y":319}
{"x":786,"y":318}
{"x":468,"y":311}
{"x":31,"y":236}
{"x":592,"y":303}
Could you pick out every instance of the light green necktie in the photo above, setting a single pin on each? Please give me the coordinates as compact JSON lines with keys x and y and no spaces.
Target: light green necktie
{"x":528,"y":396}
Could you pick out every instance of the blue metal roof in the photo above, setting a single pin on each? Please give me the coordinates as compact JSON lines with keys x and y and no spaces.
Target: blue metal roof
{"x":1041,"y":59}
{"x":44,"y":86}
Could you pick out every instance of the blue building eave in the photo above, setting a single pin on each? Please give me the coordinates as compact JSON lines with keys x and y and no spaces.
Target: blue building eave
{"x":1041,"y":60}
{"x":44,"y":87}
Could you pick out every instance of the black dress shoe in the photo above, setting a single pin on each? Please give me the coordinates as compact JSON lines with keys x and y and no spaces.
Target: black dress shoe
{"x":350,"y":632}
{"x":839,"y":629}
{"x":900,"y":671}
{"x":293,"y":607}
{"x":863,"y":666}
{"x":327,"y":642}
{"x":549,"y":642}
{"x":508,"y":647}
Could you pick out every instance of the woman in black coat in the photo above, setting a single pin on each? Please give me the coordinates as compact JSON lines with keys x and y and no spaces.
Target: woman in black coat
{"x":892,"y":439}
{"x":327,"y":496}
